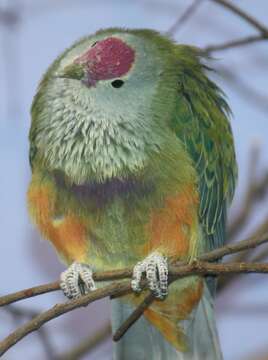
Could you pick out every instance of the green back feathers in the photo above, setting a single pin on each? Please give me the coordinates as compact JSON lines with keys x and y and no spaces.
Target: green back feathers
{"x":201,"y":122}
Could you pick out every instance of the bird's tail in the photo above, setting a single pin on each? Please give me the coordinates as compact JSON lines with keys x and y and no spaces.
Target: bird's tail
{"x":145,"y":342}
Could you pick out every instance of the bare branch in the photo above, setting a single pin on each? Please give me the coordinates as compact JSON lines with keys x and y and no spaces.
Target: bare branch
{"x":235,"y":43}
{"x":262,"y":228}
{"x":216,"y":254}
{"x":244,"y":89}
{"x":46,"y":343}
{"x":184,"y":17}
{"x":211,"y":256}
{"x":256,"y":190}
{"x":121,"y":288}
{"x":250,"y":243}
{"x":87,"y":344}
{"x":244,"y":256}
{"x":24,"y":294}
{"x":18,"y":312}
{"x":10,"y":16}
{"x":59,"y":309}
{"x":243,"y":15}
{"x":136,"y":314}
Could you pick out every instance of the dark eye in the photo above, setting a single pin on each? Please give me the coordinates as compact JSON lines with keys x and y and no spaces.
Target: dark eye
{"x":117,"y":83}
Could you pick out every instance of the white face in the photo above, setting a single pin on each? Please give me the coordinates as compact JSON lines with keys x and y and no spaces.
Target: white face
{"x":101,"y":131}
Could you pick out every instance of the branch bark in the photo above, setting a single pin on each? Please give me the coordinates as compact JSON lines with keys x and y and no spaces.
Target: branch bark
{"x":121,"y":288}
{"x":235,"y":43}
{"x":198,"y":267}
{"x":190,"y":10}
{"x":87,"y":344}
{"x":59,"y":309}
{"x":216,"y":254}
{"x":243,"y":15}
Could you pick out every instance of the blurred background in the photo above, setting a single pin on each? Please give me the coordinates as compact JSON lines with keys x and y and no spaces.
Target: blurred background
{"x":32,"y":34}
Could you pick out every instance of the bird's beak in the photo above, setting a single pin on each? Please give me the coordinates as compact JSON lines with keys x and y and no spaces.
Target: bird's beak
{"x":78,"y":72}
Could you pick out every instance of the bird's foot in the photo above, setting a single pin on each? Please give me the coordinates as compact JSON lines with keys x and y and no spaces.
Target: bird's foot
{"x":77,"y":280}
{"x":155,"y":267}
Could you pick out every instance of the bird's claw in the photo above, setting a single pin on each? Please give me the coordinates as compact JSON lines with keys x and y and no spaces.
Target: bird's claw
{"x":155,"y":266}
{"x":77,"y":280}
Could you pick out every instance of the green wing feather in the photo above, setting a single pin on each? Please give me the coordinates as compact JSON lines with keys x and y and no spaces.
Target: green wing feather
{"x":202,"y":125}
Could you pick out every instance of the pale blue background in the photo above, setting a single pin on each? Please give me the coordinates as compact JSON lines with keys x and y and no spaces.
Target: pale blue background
{"x":45,"y":28}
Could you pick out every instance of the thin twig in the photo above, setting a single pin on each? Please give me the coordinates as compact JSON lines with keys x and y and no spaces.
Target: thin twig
{"x":235,"y":43}
{"x":87,"y":344}
{"x":121,"y":288}
{"x":134,"y":316}
{"x":211,"y":256}
{"x":255,"y":191}
{"x":243,"y":256}
{"x":254,"y":194}
{"x":43,"y":289}
{"x":30,"y":292}
{"x":264,"y":253}
{"x":243,"y":15}
{"x":216,"y":254}
{"x":59,"y":309}
{"x":46,"y":343}
{"x":10,"y":16}
{"x":17,"y":312}
{"x":190,"y":10}
{"x":247,"y":91}
{"x":250,"y":243}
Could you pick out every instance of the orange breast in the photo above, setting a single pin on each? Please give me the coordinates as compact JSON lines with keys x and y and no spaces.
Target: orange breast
{"x":173,"y":228}
{"x":67,"y":232}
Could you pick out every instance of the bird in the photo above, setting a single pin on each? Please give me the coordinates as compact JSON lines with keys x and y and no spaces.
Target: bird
{"x":133,"y":165}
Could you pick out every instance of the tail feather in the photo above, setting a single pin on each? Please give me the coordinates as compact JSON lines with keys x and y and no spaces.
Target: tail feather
{"x":143,"y":341}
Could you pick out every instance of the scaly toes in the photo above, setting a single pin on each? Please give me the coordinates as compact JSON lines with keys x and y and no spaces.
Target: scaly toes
{"x":77,"y":280}
{"x":155,"y":267}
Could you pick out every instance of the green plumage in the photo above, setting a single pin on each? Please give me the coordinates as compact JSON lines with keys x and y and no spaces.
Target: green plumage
{"x":164,"y":135}
{"x":202,"y":125}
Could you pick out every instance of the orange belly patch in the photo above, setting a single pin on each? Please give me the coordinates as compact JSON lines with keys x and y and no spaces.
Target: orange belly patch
{"x":172,"y":228}
{"x":67,"y":232}
{"x":166,"y":315}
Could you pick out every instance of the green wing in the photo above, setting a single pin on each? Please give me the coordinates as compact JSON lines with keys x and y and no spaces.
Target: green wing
{"x":202,"y":125}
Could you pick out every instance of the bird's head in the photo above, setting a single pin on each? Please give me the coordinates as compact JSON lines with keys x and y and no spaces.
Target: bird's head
{"x":101,"y":107}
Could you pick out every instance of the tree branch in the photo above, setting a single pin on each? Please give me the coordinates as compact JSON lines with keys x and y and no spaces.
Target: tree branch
{"x":255,"y":191}
{"x":120,"y":288}
{"x":30,"y":292}
{"x":87,"y":344}
{"x":216,"y":254}
{"x":263,"y":30}
{"x":212,"y":256}
{"x":247,"y":91}
{"x":244,"y":256}
{"x":235,"y":43}
{"x":133,"y":317}
{"x":184,"y":17}
{"x":243,"y":15}
{"x":17,"y":312}
{"x":59,"y":309}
